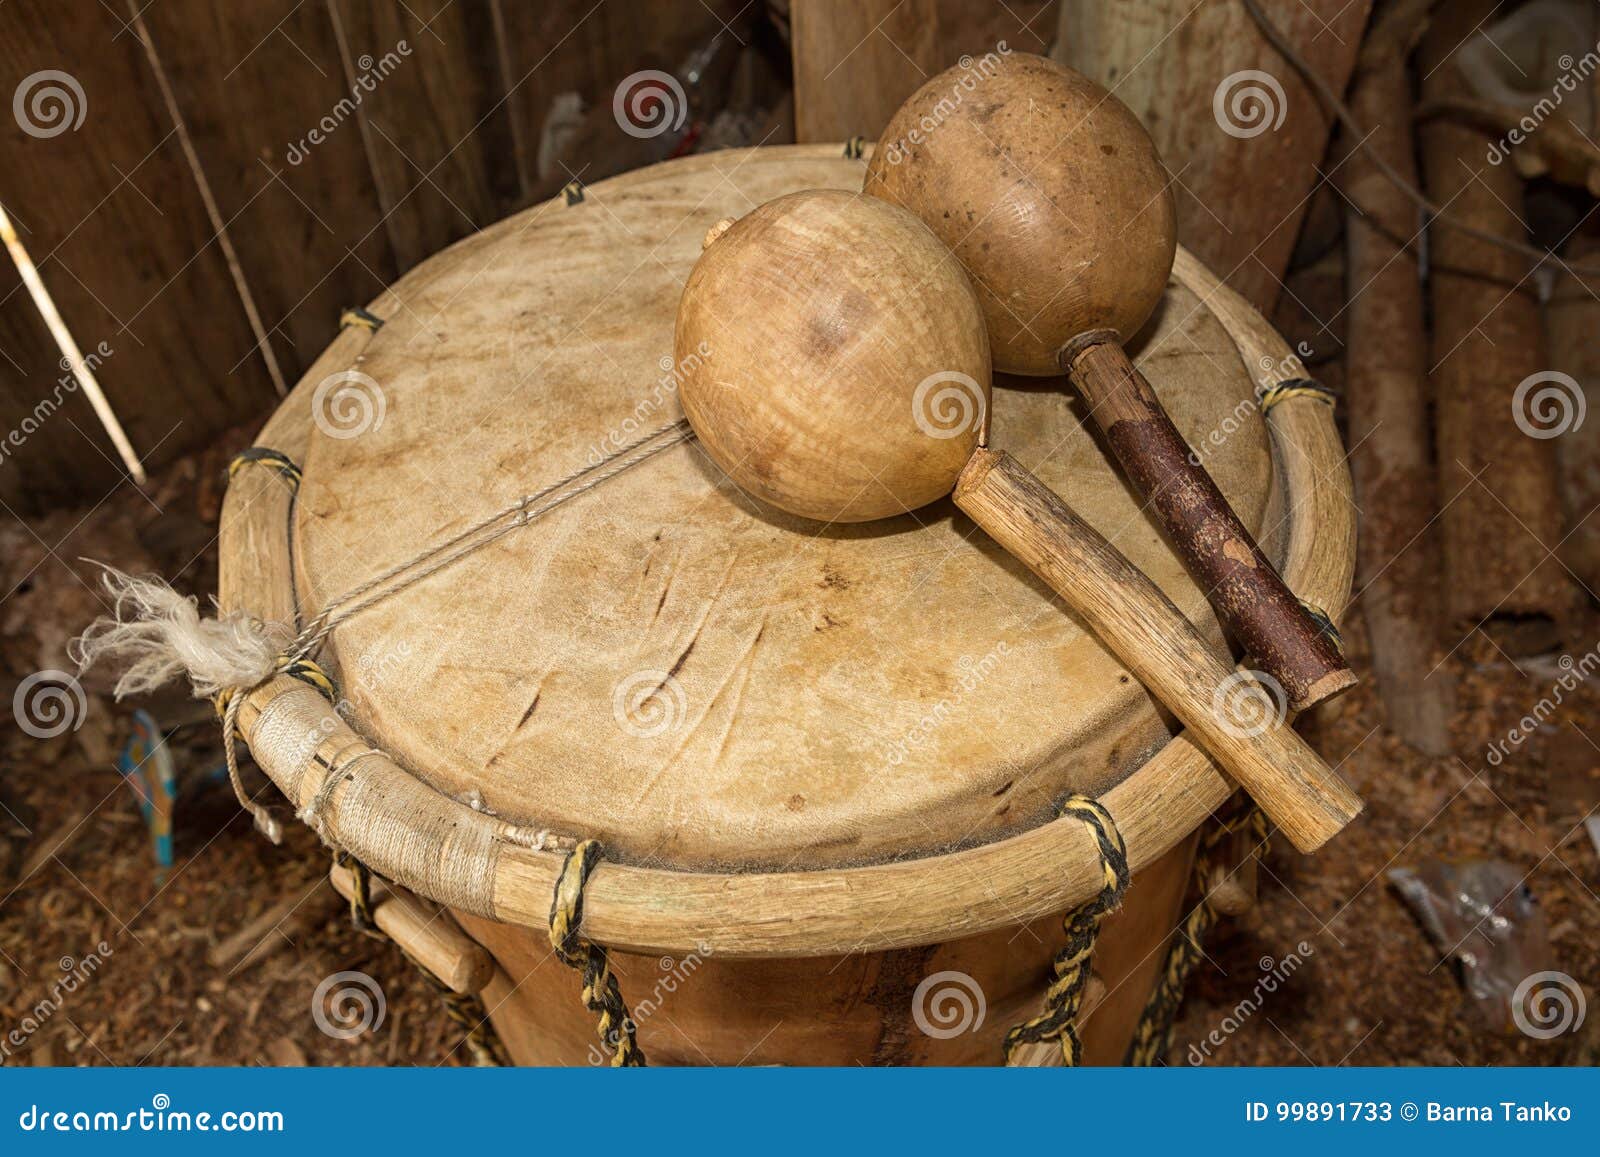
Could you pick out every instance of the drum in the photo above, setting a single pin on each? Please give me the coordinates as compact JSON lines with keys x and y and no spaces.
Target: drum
{"x":817,"y":772}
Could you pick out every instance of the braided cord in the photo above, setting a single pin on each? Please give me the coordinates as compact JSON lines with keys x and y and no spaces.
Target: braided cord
{"x":1282,"y":391}
{"x":361,"y":897}
{"x":467,"y":1011}
{"x":1152,"y":1039}
{"x":355,"y":316}
{"x":1070,"y":969}
{"x":601,"y":994}
{"x":272,"y":459}
{"x":1325,"y":624}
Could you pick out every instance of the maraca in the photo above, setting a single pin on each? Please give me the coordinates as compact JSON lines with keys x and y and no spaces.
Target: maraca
{"x":847,"y":379}
{"x":1053,"y":197}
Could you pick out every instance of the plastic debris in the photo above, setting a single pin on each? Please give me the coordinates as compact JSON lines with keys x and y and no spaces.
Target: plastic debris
{"x":1482,"y":915}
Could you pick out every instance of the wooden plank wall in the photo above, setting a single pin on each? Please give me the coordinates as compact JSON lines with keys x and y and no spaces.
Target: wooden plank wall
{"x":252,"y":81}
{"x":113,"y":221}
{"x":545,"y":54}
{"x":51,"y":448}
{"x":855,"y":64}
{"x":244,"y":169}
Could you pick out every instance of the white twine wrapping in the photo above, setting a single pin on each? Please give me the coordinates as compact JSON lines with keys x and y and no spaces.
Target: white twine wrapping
{"x":155,"y":634}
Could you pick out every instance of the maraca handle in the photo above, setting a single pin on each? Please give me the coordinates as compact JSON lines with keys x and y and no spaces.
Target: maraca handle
{"x":1301,"y":793}
{"x":1255,"y":606}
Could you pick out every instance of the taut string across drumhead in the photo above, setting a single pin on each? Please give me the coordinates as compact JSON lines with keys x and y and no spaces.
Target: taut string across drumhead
{"x":164,"y":633}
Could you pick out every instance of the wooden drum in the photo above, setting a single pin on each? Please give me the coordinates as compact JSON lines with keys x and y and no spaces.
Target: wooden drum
{"x":824,"y":763}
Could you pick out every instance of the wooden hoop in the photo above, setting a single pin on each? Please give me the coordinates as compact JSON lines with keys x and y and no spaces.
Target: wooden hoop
{"x":909,"y":902}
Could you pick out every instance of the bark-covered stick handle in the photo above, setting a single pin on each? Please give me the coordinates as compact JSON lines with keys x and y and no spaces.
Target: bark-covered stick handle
{"x":1227,"y":712}
{"x":1282,"y":637}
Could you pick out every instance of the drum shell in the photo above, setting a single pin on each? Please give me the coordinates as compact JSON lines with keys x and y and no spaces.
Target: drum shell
{"x":858,"y":1009}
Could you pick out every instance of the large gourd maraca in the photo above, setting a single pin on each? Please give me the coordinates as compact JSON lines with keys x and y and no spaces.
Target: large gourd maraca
{"x":1053,"y":197}
{"x":842,"y":374}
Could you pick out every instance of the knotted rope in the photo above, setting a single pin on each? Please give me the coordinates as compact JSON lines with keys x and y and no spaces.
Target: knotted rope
{"x":1270,"y":396}
{"x":1070,"y":969}
{"x":601,"y":994}
{"x":358,"y":318}
{"x":275,"y":459}
{"x":1153,"y":1037}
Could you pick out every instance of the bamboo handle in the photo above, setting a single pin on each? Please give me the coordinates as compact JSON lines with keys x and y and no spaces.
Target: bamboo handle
{"x":1302,"y":795}
{"x":1249,"y":597}
{"x":425,"y":932}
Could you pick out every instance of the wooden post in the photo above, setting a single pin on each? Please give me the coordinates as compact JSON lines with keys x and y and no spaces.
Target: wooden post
{"x":1497,"y":490}
{"x":1571,"y":322}
{"x":1243,"y":150}
{"x":1386,"y":383}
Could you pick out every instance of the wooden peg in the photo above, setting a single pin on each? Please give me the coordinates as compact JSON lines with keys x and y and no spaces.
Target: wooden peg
{"x":426,"y":932}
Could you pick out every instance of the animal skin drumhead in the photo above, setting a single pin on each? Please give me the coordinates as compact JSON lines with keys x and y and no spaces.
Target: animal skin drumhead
{"x":664,"y":664}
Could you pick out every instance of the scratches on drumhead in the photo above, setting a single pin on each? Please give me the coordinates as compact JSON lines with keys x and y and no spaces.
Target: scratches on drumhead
{"x":730,"y":688}
{"x":532,"y":707}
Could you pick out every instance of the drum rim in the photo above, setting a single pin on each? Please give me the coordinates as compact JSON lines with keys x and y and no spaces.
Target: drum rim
{"x":905,"y":902}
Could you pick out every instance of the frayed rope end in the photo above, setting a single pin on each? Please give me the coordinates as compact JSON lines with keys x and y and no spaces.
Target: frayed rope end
{"x":268,"y":824}
{"x":155,"y":634}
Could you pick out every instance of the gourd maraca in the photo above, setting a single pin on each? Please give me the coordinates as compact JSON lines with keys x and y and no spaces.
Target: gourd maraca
{"x":842,"y":374}
{"x":1052,"y":195}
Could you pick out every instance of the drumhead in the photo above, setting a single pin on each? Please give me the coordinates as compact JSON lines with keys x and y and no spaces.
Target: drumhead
{"x":663,"y":664}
